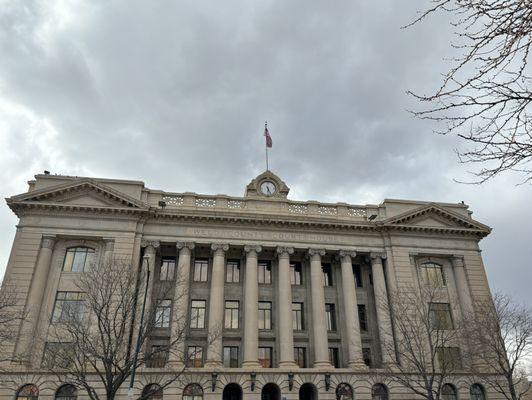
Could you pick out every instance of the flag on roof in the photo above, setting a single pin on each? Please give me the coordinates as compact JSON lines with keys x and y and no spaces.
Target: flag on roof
{"x":267,"y":136}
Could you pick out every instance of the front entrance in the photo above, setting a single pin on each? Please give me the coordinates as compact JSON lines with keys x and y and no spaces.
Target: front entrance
{"x":232,"y":391}
{"x":308,"y":391}
{"x":271,"y":391}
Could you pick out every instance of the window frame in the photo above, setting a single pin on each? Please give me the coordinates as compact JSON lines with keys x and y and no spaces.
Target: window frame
{"x":201,"y":270}
{"x":167,"y":276}
{"x":330,"y":317}
{"x":296,"y":274}
{"x":196,"y":314}
{"x":163,"y":314}
{"x":431,"y":278}
{"x":61,"y":303}
{"x":85,"y":250}
{"x":298,"y":324}
{"x":334,"y":356}
{"x":231,"y":362}
{"x":300,"y":354}
{"x":265,"y":316}
{"x":269,"y":350}
{"x":327,"y":272}
{"x":362,"y":317}
{"x":232,"y":269}
{"x":233,"y":313}
{"x":195,"y":350}
{"x":435,"y":315}
{"x":264,"y":273}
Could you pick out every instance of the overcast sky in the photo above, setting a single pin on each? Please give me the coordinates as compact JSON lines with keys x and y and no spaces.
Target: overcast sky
{"x":176,"y":94}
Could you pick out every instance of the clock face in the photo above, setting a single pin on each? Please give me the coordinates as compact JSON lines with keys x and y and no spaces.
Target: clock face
{"x":268,"y":188}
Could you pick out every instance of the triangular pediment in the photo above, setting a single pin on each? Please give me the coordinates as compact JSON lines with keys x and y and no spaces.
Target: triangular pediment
{"x":435,"y":216}
{"x":83,"y":193}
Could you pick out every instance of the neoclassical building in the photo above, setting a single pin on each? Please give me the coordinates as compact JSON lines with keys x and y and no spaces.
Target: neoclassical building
{"x":294,"y":284}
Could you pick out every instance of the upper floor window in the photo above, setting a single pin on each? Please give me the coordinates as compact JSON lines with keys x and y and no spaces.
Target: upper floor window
{"x":295,"y":273}
{"x":362,"y":317}
{"x":327,"y":275}
{"x":330,"y":316}
{"x":264,"y":273}
{"x":66,"y":392}
{"x":440,"y":316}
{"x":231,"y":314}
{"x":230,"y":356}
{"x":265,"y":357}
{"x":68,"y":306}
{"x":28,"y":392}
{"x":333,"y":357}
{"x":358,"y":275}
{"x":195,"y":356}
{"x":158,"y":356}
{"x":58,"y":354}
{"x":77,"y":259}
{"x":201,"y":267}
{"x":300,"y":357}
{"x":167,"y":270}
{"x":162,"y":314}
{"x":433,"y":274}
{"x":449,"y":358}
{"x":297,"y":316}
{"x":366,"y":355}
{"x":197,"y":314}
{"x":232,"y":271}
{"x":265,"y":315}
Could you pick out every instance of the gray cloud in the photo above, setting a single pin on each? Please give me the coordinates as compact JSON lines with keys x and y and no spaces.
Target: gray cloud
{"x":176,"y":93}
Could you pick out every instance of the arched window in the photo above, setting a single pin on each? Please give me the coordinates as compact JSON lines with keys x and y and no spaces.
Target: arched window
{"x":152,"y":392}
{"x":433,"y":274}
{"x":476,"y":392}
{"x":344,"y":392}
{"x":448,"y":392}
{"x":28,"y":392}
{"x":77,"y":259}
{"x":379,"y":392}
{"x":193,"y":392}
{"x":66,"y":392}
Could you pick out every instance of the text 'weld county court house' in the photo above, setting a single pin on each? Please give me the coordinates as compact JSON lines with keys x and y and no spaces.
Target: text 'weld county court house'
{"x":293,"y":284}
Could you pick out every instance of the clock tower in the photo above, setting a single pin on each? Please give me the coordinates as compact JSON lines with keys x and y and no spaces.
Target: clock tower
{"x":267,"y":185}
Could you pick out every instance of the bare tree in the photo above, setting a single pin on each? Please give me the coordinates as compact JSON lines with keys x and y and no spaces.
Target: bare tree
{"x":500,"y":339}
{"x":96,"y":339}
{"x":427,"y":341}
{"x":485,"y":96}
{"x":10,"y":317}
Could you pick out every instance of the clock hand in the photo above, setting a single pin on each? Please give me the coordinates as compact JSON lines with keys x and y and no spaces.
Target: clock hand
{"x":268,"y":189}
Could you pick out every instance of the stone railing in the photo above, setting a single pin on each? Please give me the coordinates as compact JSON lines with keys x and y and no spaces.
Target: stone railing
{"x":221,"y":203}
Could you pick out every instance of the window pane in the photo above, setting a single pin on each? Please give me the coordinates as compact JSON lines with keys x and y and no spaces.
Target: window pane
{"x":440,"y":315}
{"x":265,"y":357}
{"x":195,"y":356}
{"x":433,"y":274}
{"x":68,"y":305}
{"x":265,"y":310}
{"x":295,"y":274}
{"x":197,"y":314}
{"x":200,"y":270}
{"x":167,"y":270}
{"x":300,"y":357}
{"x":297,"y":316}
{"x":231,"y":314}
{"x":366,"y":355}
{"x":333,"y":357}
{"x":362,"y":318}
{"x":264,"y":273}
{"x":327,"y":275}
{"x":358,"y":275}
{"x":330,"y":317}
{"x":232,"y":274}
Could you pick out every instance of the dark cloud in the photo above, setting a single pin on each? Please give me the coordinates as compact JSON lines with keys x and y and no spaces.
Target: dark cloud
{"x":176,"y":94}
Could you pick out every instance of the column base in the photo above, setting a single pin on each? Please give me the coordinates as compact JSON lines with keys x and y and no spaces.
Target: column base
{"x":358,"y":365}
{"x":176,"y":364}
{"x":213,"y":364}
{"x":322,"y":364}
{"x":251,"y":364}
{"x":288,"y":364}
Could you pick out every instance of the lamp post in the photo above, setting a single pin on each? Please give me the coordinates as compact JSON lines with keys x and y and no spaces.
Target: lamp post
{"x":139,"y":336}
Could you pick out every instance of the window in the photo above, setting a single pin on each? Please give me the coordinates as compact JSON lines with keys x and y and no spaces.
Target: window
{"x":158,"y":357}
{"x":78,"y":258}
{"x":327,"y":275}
{"x":231,"y":314}
{"x":68,"y":306}
{"x":379,"y":392}
{"x":358,"y":275}
{"x":344,"y":391}
{"x":295,"y":274}
{"x":449,"y":358}
{"x":476,"y":392}
{"x":167,"y":270}
{"x":366,"y":355}
{"x":162,"y":314}
{"x":297,"y":316}
{"x":232,"y":272}
{"x":152,"y":392}
{"x":265,"y":315}
{"x":193,"y":392}
{"x":195,"y":356}
{"x":265,"y":357}
{"x":362,"y":317}
{"x":197,"y":314}
{"x":231,"y":357}
{"x":330,"y":315}
{"x":440,"y":316}
{"x":333,"y":357}
{"x":433,"y":274}
{"x":66,"y":392}
{"x":28,"y":392}
{"x":264,"y":273}
{"x":58,"y":354}
{"x":300,"y":357}
{"x":201,"y":267}
{"x":448,"y":392}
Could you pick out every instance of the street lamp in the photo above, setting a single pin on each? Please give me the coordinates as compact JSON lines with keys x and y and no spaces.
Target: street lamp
{"x":139,"y":336}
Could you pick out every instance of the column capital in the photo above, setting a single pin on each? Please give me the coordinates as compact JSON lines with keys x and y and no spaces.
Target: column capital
{"x":150,"y":243}
{"x":377,"y":256}
{"x":48,"y":241}
{"x":252,"y":248}
{"x":457,"y":261}
{"x":185,"y":245}
{"x":219,"y":247}
{"x":316,"y":252}
{"x":284,"y":251}
{"x":346,"y":255}
{"x":109,"y":244}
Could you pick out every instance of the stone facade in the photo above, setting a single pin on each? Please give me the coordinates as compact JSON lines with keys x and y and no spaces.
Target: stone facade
{"x":365,"y":250}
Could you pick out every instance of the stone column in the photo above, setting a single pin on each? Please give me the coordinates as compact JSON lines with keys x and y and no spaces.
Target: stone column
{"x":464,"y":294}
{"x":319,"y":326}
{"x":354,"y":341}
{"x":286,"y":330}
{"x":108,"y":251}
{"x":35,"y":299}
{"x":181,"y":299}
{"x":251,"y":307}
{"x":216,"y":306}
{"x":454,"y":299}
{"x":383,"y":309}
{"x":148,"y":264}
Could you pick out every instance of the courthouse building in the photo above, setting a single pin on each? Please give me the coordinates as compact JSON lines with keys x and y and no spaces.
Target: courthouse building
{"x":294,"y":284}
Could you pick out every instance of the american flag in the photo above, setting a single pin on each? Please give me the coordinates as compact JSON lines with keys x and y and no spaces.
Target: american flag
{"x":268,"y":137}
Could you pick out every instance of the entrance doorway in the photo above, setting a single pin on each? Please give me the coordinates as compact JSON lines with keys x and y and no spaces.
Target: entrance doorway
{"x":308,"y":391}
{"x":232,"y":391}
{"x":271,"y":391}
